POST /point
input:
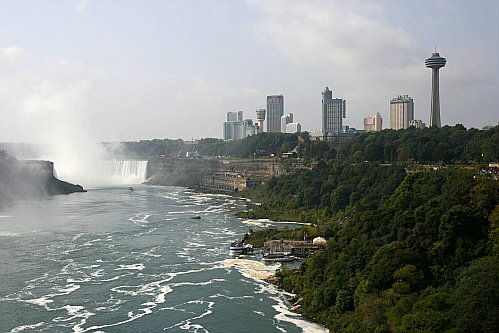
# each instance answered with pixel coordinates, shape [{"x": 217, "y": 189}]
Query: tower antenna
[{"x": 435, "y": 47}]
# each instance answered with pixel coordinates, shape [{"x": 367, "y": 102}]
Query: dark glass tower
[{"x": 435, "y": 62}]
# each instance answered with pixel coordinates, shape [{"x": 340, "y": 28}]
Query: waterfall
[
  {"x": 92, "y": 173},
  {"x": 123, "y": 172}
]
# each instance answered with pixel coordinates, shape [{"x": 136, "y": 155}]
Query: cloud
[
  {"x": 81, "y": 5},
  {"x": 367, "y": 59},
  {"x": 41, "y": 95},
  {"x": 45, "y": 100},
  {"x": 338, "y": 33},
  {"x": 12, "y": 51}
]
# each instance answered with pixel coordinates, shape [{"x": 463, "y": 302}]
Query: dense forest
[
  {"x": 429, "y": 145},
  {"x": 406, "y": 252}
]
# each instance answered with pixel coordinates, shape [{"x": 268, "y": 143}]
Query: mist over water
[
  {"x": 89, "y": 165},
  {"x": 50, "y": 110}
]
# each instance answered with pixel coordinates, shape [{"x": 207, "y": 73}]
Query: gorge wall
[{"x": 194, "y": 172}]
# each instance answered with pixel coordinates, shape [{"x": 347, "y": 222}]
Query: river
[{"x": 113, "y": 260}]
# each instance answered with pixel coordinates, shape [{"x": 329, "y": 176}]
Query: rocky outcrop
[
  {"x": 25, "y": 179},
  {"x": 221, "y": 174},
  {"x": 179, "y": 171}
]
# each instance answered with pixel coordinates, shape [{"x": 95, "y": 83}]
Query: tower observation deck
[
  {"x": 435, "y": 62},
  {"x": 260, "y": 116}
]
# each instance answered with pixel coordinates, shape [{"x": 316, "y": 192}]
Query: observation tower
[
  {"x": 435, "y": 62},
  {"x": 260, "y": 116}
]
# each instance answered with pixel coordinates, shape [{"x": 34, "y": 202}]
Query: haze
[{"x": 80, "y": 71}]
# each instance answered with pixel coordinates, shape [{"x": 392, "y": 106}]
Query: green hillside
[{"x": 406, "y": 251}]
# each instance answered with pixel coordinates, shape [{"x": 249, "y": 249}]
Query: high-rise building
[
  {"x": 333, "y": 112},
  {"x": 417, "y": 123},
  {"x": 238, "y": 129},
  {"x": 260, "y": 116},
  {"x": 373, "y": 123},
  {"x": 235, "y": 116},
  {"x": 401, "y": 111},
  {"x": 293, "y": 127},
  {"x": 250, "y": 128},
  {"x": 275, "y": 110},
  {"x": 286, "y": 119},
  {"x": 435, "y": 62}
]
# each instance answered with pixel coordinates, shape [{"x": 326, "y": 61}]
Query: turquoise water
[{"x": 111, "y": 260}]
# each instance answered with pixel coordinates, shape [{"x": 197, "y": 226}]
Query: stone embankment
[{"x": 226, "y": 175}]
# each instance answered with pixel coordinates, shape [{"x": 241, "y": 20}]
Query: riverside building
[
  {"x": 275, "y": 110},
  {"x": 333, "y": 112},
  {"x": 401, "y": 112}
]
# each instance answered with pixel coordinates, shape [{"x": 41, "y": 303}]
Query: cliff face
[
  {"x": 24, "y": 179},
  {"x": 194, "y": 172}
]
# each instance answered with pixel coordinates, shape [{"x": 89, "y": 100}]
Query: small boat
[
  {"x": 196, "y": 217},
  {"x": 237, "y": 248},
  {"x": 248, "y": 249},
  {"x": 130, "y": 189},
  {"x": 277, "y": 257}
]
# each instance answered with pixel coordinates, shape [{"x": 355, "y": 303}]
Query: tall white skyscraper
[
  {"x": 275, "y": 110},
  {"x": 333, "y": 112},
  {"x": 401, "y": 112}
]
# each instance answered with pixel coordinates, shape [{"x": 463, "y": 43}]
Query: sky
[{"x": 128, "y": 70}]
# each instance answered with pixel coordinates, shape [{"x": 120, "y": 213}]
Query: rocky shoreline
[
  {"x": 26, "y": 179},
  {"x": 294, "y": 299}
]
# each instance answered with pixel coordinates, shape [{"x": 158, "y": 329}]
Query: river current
[{"x": 113, "y": 260}]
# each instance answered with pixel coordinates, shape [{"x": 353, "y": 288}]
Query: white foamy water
[
  {"x": 122, "y": 172},
  {"x": 112, "y": 260}
]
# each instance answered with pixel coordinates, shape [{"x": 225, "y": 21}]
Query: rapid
[{"x": 114, "y": 260}]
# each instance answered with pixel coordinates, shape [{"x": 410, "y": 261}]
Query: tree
[{"x": 476, "y": 297}]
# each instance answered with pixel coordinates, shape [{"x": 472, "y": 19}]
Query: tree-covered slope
[{"x": 406, "y": 253}]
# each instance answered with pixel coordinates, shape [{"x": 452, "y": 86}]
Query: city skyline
[{"x": 110, "y": 71}]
